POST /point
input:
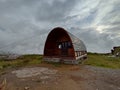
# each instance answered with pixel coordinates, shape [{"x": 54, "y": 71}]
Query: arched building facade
[{"x": 62, "y": 46}]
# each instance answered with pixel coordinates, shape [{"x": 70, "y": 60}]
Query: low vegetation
[
  {"x": 103, "y": 60},
  {"x": 21, "y": 61},
  {"x": 94, "y": 59}
]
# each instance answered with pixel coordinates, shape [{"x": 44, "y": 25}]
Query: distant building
[
  {"x": 116, "y": 51},
  {"x": 62, "y": 46}
]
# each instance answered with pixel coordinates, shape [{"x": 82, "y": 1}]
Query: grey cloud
[
  {"x": 55, "y": 12},
  {"x": 87, "y": 20},
  {"x": 95, "y": 41},
  {"x": 108, "y": 12},
  {"x": 25, "y": 24},
  {"x": 28, "y": 44}
]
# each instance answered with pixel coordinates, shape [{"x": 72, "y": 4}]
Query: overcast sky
[{"x": 25, "y": 24}]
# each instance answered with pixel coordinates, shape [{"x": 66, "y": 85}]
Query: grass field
[
  {"x": 100, "y": 60},
  {"x": 21, "y": 61}
]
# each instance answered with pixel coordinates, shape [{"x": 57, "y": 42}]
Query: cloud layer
[{"x": 25, "y": 24}]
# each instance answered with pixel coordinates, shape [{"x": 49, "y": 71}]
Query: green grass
[
  {"x": 21, "y": 61},
  {"x": 94, "y": 59},
  {"x": 102, "y": 60}
]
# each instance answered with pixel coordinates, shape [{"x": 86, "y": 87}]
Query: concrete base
[
  {"x": 66, "y": 61},
  {"x": 52, "y": 59}
]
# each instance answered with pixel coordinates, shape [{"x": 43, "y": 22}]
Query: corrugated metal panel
[
  {"x": 77, "y": 43},
  {"x": 72, "y": 50}
]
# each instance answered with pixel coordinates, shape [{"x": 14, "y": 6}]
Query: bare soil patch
[{"x": 66, "y": 77}]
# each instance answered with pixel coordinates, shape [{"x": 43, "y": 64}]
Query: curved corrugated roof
[{"x": 77, "y": 43}]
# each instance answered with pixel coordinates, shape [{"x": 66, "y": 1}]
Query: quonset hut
[{"x": 62, "y": 46}]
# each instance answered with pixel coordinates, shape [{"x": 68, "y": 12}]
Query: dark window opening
[{"x": 65, "y": 44}]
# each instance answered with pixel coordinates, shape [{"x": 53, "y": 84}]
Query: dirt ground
[{"x": 66, "y": 77}]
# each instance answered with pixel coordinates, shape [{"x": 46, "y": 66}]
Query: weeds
[
  {"x": 100, "y": 60},
  {"x": 21, "y": 61},
  {"x": 103, "y": 61}
]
